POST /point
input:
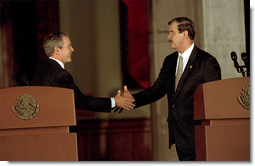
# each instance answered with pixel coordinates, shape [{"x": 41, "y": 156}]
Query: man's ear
[
  {"x": 56, "y": 50},
  {"x": 186, "y": 34}
]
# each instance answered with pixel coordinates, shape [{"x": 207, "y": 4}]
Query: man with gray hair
[{"x": 58, "y": 48}]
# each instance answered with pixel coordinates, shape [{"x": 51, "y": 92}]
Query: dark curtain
[
  {"x": 134, "y": 43},
  {"x": 29, "y": 22},
  {"x": 6, "y": 48}
]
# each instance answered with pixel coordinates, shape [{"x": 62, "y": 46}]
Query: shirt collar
[
  {"x": 187, "y": 53},
  {"x": 59, "y": 62}
]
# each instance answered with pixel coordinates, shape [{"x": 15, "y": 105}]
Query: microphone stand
[{"x": 240, "y": 69}]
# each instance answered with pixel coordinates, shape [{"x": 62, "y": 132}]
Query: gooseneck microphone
[
  {"x": 234, "y": 58},
  {"x": 246, "y": 60},
  {"x": 15, "y": 80}
]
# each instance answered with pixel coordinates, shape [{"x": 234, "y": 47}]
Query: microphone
[
  {"x": 15, "y": 80},
  {"x": 245, "y": 59},
  {"x": 25, "y": 79},
  {"x": 246, "y": 62},
  {"x": 234, "y": 58}
]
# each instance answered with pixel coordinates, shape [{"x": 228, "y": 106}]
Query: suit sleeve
[
  {"x": 156, "y": 91},
  {"x": 65, "y": 80}
]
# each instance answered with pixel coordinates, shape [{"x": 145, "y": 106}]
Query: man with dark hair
[
  {"x": 182, "y": 72},
  {"x": 58, "y": 48}
]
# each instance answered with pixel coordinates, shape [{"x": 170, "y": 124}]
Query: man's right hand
[
  {"x": 124, "y": 102},
  {"x": 127, "y": 95}
]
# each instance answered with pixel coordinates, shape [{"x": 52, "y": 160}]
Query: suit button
[{"x": 173, "y": 106}]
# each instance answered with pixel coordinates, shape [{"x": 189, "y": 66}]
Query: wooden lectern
[
  {"x": 224, "y": 109},
  {"x": 34, "y": 124}
]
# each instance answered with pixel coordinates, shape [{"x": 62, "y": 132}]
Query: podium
[
  {"x": 34, "y": 124},
  {"x": 223, "y": 107}
]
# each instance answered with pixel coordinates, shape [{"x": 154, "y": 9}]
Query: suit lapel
[
  {"x": 172, "y": 70},
  {"x": 188, "y": 69}
]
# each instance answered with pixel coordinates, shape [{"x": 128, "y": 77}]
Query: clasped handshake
[{"x": 125, "y": 101}]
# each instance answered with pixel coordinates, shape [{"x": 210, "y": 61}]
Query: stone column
[{"x": 224, "y": 32}]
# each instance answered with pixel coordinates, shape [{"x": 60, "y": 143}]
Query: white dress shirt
[{"x": 185, "y": 57}]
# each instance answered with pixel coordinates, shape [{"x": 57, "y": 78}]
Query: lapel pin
[{"x": 190, "y": 67}]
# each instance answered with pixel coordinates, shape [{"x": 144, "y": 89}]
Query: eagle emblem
[
  {"x": 26, "y": 107},
  {"x": 244, "y": 99}
]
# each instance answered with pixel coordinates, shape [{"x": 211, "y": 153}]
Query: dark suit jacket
[
  {"x": 201, "y": 68},
  {"x": 52, "y": 74}
]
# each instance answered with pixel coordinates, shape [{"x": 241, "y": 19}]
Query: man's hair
[
  {"x": 53, "y": 40},
  {"x": 185, "y": 23}
]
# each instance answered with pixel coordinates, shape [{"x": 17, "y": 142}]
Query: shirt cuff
[{"x": 113, "y": 102}]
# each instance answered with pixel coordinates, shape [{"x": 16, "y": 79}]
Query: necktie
[{"x": 179, "y": 72}]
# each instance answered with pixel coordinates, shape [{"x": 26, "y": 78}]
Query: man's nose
[{"x": 168, "y": 36}]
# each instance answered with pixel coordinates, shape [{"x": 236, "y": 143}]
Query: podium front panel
[
  {"x": 56, "y": 107},
  {"x": 219, "y": 99},
  {"x": 44, "y": 147},
  {"x": 34, "y": 124},
  {"x": 223, "y": 107},
  {"x": 223, "y": 143}
]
